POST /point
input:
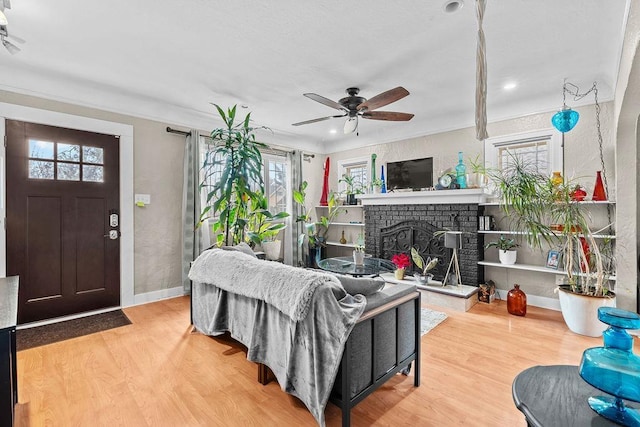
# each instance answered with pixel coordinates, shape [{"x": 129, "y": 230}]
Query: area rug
[
  {"x": 48, "y": 334},
  {"x": 429, "y": 319}
]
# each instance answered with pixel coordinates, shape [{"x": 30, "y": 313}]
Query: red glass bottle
[
  {"x": 516, "y": 301},
  {"x": 598, "y": 191}
]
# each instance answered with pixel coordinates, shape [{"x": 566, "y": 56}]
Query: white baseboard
[
  {"x": 148, "y": 297},
  {"x": 536, "y": 301}
]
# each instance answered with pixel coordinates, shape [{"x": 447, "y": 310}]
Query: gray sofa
[{"x": 342, "y": 350}]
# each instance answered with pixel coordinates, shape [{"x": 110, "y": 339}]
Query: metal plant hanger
[
  {"x": 4, "y": 31},
  {"x": 566, "y": 119}
]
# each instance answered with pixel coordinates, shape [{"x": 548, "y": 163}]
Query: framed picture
[{"x": 553, "y": 259}]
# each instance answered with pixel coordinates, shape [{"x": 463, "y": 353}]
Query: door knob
[{"x": 113, "y": 234}]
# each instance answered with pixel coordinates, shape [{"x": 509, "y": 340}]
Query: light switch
[{"x": 145, "y": 199}]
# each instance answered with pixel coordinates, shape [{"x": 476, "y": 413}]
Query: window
[
  {"x": 65, "y": 162},
  {"x": 358, "y": 169},
  {"x": 275, "y": 176},
  {"x": 540, "y": 149}
]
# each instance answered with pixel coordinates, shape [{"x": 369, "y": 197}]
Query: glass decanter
[{"x": 614, "y": 368}]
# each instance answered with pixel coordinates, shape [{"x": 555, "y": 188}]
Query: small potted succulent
[
  {"x": 425, "y": 265},
  {"x": 401, "y": 261},
  {"x": 506, "y": 250}
]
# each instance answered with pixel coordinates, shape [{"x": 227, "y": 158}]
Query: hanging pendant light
[{"x": 566, "y": 119}]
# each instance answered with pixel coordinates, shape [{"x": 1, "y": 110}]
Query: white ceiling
[{"x": 168, "y": 60}]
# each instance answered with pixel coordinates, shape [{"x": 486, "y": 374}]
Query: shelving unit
[
  {"x": 530, "y": 267},
  {"x": 535, "y": 267},
  {"x": 349, "y": 218}
]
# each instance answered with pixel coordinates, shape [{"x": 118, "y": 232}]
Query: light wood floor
[{"x": 156, "y": 373}]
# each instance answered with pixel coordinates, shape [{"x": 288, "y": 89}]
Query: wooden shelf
[
  {"x": 521, "y": 233},
  {"x": 586, "y": 202},
  {"x": 341, "y": 207},
  {"x": 529, "y": 267},
  {"x": 344, "y": 245}
]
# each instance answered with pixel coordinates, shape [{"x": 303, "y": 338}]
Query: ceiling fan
[
  {"x": 4, "y": 33},
  {"x": 354, "y": 106}
]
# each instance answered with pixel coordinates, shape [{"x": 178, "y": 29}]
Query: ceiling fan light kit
[
  {"x": 354, "y": 106},
  {"x": 3, "y": 18}
]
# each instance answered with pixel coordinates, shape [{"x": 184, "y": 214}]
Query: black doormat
[{"x": 48, "y": 334}]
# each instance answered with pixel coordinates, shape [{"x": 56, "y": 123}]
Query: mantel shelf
[
  {"x": 354, "y": 224},
  {"x": 469, "y": 195},
  {"x": 522, "y": 233},
  {"x": 529, "y": 267}
]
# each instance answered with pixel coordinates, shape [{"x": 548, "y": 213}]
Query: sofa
[{"x": 324, "y": 337}]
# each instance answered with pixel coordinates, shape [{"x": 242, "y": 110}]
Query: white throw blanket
[
  {"x": 287, "y": 288},
  {"x": 295, "y": 321}
]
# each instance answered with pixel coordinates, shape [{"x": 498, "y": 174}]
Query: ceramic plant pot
[
  {"x": 507, "y": 257},
  {"x": 580, "y": 312}
]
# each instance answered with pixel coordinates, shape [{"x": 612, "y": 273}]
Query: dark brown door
[{"x": 62, "y": 219}]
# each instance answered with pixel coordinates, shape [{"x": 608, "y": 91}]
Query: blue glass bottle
[
  {"x": 614, "y": 368},
  {"x": 384, "y": 184},
  {"x": 461, "y": 172}
]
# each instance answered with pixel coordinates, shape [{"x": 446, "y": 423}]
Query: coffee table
[{"x": 345, "y": 265}]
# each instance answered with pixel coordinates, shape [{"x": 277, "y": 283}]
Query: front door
[{"x": 62, "y": 219}]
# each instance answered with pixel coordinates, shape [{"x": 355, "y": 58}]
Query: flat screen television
[{"x": 414, "y": 174}]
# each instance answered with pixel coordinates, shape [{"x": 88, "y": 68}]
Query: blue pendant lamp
[{"x": 566, "y": 119}]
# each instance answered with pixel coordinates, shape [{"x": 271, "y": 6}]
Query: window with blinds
[
  {"x": 541, "y": 151},
  {"x": 532, "y": 154}
]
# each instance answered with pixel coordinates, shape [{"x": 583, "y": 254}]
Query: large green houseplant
[
  {"x": 313, "y": 239},
  {"x": 545, "y": 211},
  {"x": 263, "y": 227},
  {"x": 232, "y": 176}
]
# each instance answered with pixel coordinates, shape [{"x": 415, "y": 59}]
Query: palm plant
[
  {"x": 532, "y": 202},
  {"x": 234, "y": 165}
]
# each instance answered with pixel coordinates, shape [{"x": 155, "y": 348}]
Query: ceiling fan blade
[
  {"x": 387, "y": 115},
  {"x": 16, "y": 39},
  {"x": 326, "y": 101},
  {"x": 384, "y": 98},
  {"x": 321, "y": 119},
  {"x": 12, "y": 48}
]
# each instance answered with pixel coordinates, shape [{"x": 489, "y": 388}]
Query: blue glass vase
[
  {"x": 614, "y": 368},
  {"x": 565, "y": 120}
]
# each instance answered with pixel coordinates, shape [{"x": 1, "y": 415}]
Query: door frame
[{"x": 125, "y": 131}]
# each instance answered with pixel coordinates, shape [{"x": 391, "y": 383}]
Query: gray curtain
[
  {"x": 295, "y": 160},
  {"x": 192, "y": 238}
]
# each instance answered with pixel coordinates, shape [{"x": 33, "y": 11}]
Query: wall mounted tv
[{"x": 413, "y": 174}]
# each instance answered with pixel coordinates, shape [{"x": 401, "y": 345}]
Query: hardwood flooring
[{"x": 155, "y": 372}]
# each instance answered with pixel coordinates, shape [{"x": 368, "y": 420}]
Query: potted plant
[
  {"x": 376, "y": 184},
  {"x": 506, "y": 252},
  {"x": 353, "y": 187},
  {"x": 533, "y": 202},
  {"x": 401, "y": 262},
  {"x": 313, "y": 237},
  {"x": 233, "y": 176},
  {"x": 424, "y": 265},
  {"x": 263, "y": 227}
]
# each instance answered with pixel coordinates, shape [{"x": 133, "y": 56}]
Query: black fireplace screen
[{"x": 402, "y": 236}]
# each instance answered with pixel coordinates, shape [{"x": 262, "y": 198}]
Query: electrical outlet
[{"x": 560, "y": 279}]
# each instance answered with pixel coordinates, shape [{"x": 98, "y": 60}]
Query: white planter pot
[
  {"x": 507, "y": 257},
  {"x": 272, "y": 249},
  {"x": 580, "y": 312}
]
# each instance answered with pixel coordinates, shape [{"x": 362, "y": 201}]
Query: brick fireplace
[{"x": 396, "y": 222}]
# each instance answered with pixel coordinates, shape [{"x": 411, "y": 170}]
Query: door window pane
[
  {"x": 93, "y": 155},
  {"x": 92, "y": 173},
  {"x": 69, "y": 152},
  {"x": 68, "y": 172},
  {"x": 40, "y": 149},
  {"x": 40, "y": 170}
]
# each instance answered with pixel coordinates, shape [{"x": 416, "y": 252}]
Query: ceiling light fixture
[
  {"x": 509, "y": 86},
  {"x": 333, "y": 131},
  {"x": 566, "y": 119},
  {"x": 351, "y": 125},
  {"x": 452, "y": 6}
]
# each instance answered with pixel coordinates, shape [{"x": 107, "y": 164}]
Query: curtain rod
[{"x": 179, "y": 132}]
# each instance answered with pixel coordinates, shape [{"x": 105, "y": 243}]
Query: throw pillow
[{"x": 360, "y": 285}]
